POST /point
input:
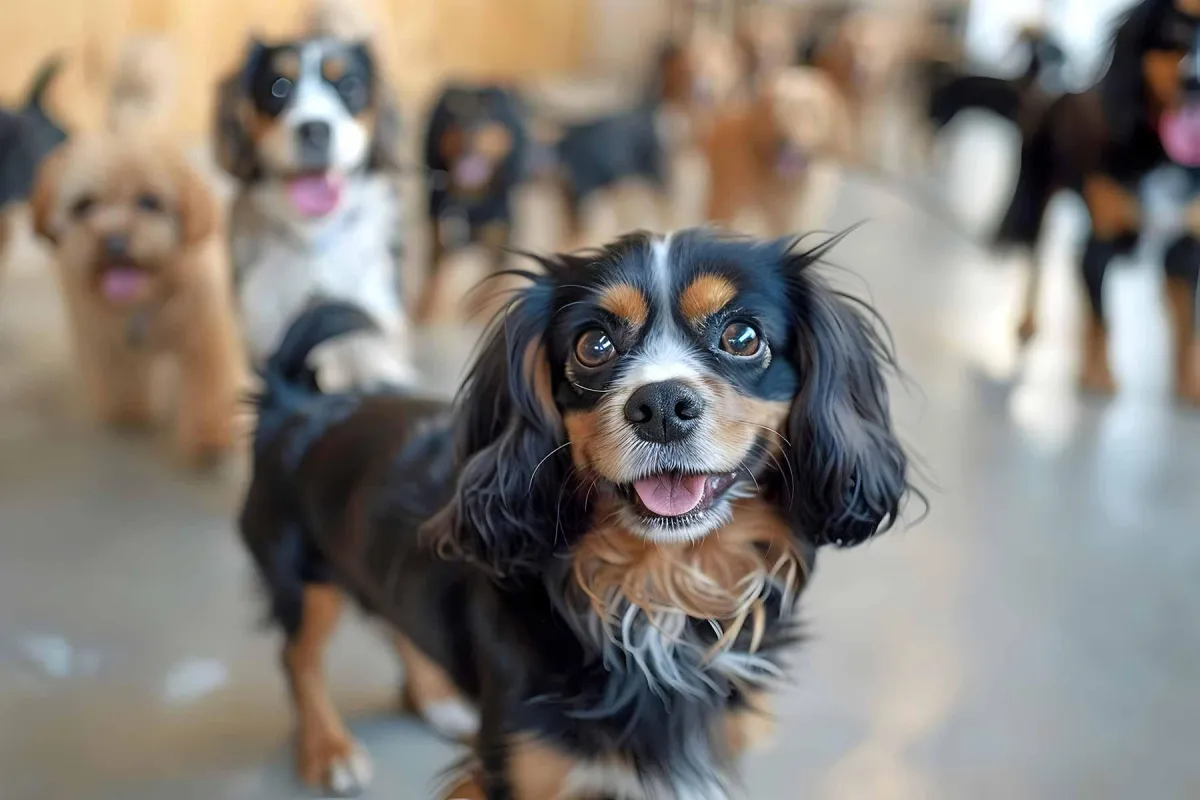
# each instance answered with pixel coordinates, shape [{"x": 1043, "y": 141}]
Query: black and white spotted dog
[{"x": 308, "y": 129}]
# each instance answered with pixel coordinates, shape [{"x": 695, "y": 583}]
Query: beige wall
[{"x": 420, "y": 40}]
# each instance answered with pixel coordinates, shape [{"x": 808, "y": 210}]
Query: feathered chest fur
[
  {"x": 675, "y": 639},
  {"x": 282, "y": 264}
]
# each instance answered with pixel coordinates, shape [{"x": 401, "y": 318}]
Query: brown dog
[
  {"x": 761, "y": 150},
  {"x": 133, "y": 230}
]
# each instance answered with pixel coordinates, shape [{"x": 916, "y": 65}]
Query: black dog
[
  {"x": 599, "y": 154},
  {"x": 475, "y": 147},
  {"x": 1143, "y": 113},
  {"x": 600, "y": 545},
  {"x": 27, "y": 134}
]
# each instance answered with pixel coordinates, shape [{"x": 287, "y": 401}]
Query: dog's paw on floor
[{"x": 341, "y": 768}]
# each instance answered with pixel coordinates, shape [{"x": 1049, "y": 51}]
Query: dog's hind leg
[
  {"x": 430, "y": 693},
  {"x": 328, "y": 758},
  {"x": 1182, "y": 265},
  {"x": 1031, "y": 300},
  {"x": 1115, "y": 216}
]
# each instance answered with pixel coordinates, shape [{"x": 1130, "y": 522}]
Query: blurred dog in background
[
  {"x": 133, "y": 228},
  {"x": 27, "y": 134},
  {"x": 308, "y": 128},
  {"x": 142, "y": 95},
  {"x": 762, "y": 149},
  {"x": 1143, "y": 113},
  {"x": 878, "y": 56},
  {"x": 602, "y": 154},
  {"x": 475, "y": 147}
]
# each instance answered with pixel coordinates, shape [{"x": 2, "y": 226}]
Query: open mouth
[
  {"x": 314, "y": 194},
  {"x": 123, "y": 283},
  {"x": 1179, "y": 132},
  {"x": 472, "y": 172},
  {"x": 677, "y": 496},
  {"x": 791, "y": 160}
]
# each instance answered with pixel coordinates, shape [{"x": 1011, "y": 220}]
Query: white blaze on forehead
[
  {"x": 665, "y": 357},
  {"x": 660, "y": 269},
  {"x": 315, "y": 98}
]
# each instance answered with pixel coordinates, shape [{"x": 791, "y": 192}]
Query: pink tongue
[
  {"x": 1179, "y": 132},
  {"x": 791, "y": 162},
  {"x": 122, "y": 284},
  {"x": 472, "y": 171},
  {"x": 315, "y": 195},
  {"x": 671, "y": 495}
]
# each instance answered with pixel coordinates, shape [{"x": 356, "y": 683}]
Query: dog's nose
[
  {"x": 116, "y": 245},
  {"x": 664, "y": 412},
  {"x": 313, "y": 137}
]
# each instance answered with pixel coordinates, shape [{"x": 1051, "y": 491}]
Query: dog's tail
[
  {"x": 962, "y": 92},
  {"x": 42, "y": 80},
  {"x": 288, "y": 379},
  {"x": 1008, "y": 98}
]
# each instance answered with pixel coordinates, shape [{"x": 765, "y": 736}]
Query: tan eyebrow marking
[
  {"x": 706, "y": 295},
  {"x": 287, "y": 64},
  {"x": 333, "y": 68},
  {"x": 626, "y": 302}
]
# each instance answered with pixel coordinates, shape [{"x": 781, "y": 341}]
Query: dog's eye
[
  {"x": 281, "y": 88},
  {"x": 81, "y": 207},
  {"x": 594, "y": 349},
  {"x": 354, "y": 92},
  {"x": 148, "y": 202},
  {"x": 739, "y": 339}
]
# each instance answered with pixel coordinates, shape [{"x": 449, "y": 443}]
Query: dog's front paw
[
  {"x": 1188, "y": 391},
  {"x": 1026, "y": 330},
  {"x": 206, "y": 447},
  {"x": 1097, "y": 378},
  {"x": 340, "y": 767}
]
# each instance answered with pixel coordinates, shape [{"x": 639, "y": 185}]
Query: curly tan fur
[{"x": 183, "y": 312}]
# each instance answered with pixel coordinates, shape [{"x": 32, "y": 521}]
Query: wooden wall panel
[{"x": 420, "y": 41}]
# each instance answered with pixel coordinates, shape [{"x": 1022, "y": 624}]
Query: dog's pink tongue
[
  {"x": 123, "y": 284},
  {"x": 791, "y": 162},
  {"x": 314, "y": 195},
  {"x": 671, "y": 495},
  {"x": 472, "y": 171},
  {"x": 1179, "y": 132}
]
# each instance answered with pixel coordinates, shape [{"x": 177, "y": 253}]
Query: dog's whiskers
[
  {"x": 543, "y": 461},
  {"x": 767, "y": 428}
]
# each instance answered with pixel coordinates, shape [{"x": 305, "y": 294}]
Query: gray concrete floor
[{"x": 1035, "y": 636}]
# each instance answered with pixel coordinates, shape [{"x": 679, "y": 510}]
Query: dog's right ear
[
  {"x": 44, "y": 200},
  {"x": 236, "y": 153},
  {"x": 509, "y": 510}
]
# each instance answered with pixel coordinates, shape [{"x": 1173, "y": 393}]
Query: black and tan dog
[
  {"x": 591, "y": 560},
  {"x": 1143, "y": 113},
  {"x": 475, "y": 148}
]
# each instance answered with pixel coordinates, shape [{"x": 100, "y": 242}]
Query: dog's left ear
[
  {"x": 43, "y": 201},
  {"x": 507, "y": 513},
  {"x": 1122, "y": 87},
  {"x": 851, "y": 471},
  {"x": 384, "y": 155},
  {"x": 196, "y": 205},
  {"x": 235, "y": 149}
]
